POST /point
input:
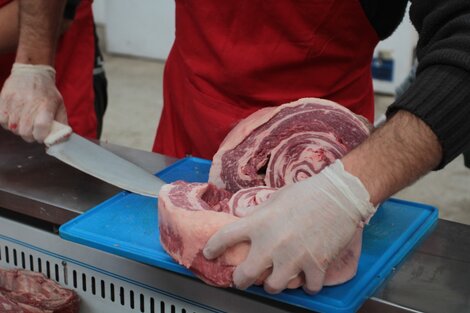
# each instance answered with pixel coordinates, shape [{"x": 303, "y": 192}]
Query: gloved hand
[
  {"x": 30, "y": 101},
  {"x": 301, "y": 228}
]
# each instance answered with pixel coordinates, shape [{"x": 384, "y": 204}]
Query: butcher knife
[{"x": 94, "y": 160}]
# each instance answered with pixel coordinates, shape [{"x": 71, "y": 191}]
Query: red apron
[
  {"x": 74, "y": 65},
  {"x": 231, "y": 58}
]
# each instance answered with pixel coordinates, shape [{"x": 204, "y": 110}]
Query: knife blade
[{"x": 94, "y": 160}]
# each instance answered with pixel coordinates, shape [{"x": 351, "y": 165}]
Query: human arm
[
  {"x": 39, "y": 31},
  {"x": 395, "y": 156},
  {"x": 9, "y": 26},
  {"x": 29, "y": 100},
  {"x": 440, "y": 96},
  {"x": 437, "y": 126}
]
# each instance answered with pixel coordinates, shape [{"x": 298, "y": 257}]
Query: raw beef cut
[
  {"x": 33, "y": 292},
  {"x": 265, "y": 151}
]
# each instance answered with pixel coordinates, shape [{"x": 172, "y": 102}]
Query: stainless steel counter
[
  {"x": 38, "y": 185},
  {"x": 434, "y": 278}
]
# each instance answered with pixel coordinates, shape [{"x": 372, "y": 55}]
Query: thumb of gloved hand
[{"x": 30, "y": 101}]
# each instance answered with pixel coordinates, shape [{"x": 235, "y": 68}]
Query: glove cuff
[
  {"x": 30, "y": 68},
  {"x": 352, "y": 188}
]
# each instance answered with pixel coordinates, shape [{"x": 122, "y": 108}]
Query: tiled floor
[{"x": 135, "y": 102}]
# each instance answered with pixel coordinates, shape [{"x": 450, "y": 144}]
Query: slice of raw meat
[
  {"x": 279, "y": 145},
  {"x": 30, "y": 289}
]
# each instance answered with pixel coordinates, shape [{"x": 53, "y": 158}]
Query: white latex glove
[
  {"x": 300, "y": 229},
  {"x": 30, "y": 101}
]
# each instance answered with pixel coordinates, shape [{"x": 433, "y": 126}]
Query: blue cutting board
[{"x": 127, "y": 225}]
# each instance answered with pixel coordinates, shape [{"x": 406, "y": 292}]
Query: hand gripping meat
[{"x": 300, "y": 230}]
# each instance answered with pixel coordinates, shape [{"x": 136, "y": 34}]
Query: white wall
[
  {"x": 143, "y": 28},
  {"x": 99, "y": 11},
  {"x": 401, "y": 47}
]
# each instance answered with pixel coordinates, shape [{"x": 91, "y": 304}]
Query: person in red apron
[
  {"x": 80, "y": 76},
  {"x": 229, "y": 60}
]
